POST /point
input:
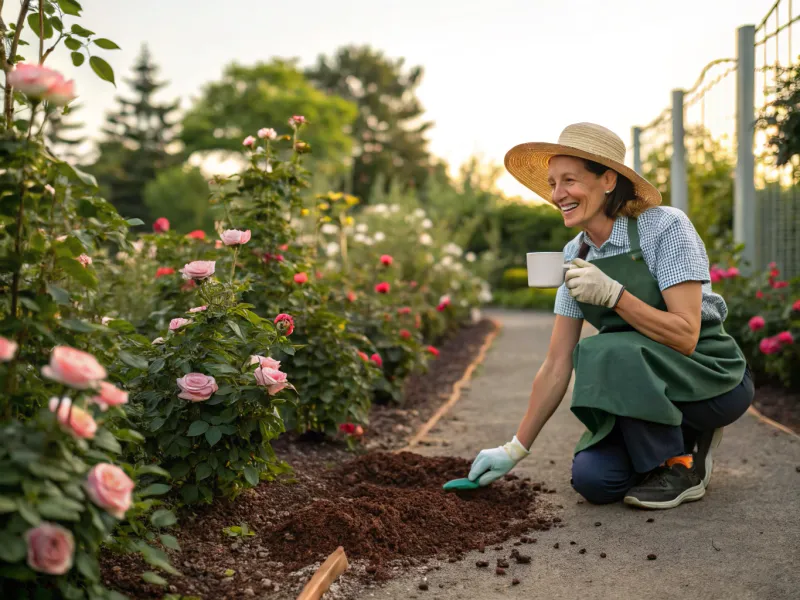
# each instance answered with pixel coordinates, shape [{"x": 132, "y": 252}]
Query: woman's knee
[{"x": 594, "y": 481}]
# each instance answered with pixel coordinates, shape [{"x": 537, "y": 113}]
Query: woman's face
[{"x": 578, "y": 193}]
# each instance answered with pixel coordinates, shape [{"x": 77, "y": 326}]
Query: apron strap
[{"x": 633, "y": 234}]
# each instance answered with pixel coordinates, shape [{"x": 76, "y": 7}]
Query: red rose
[
  {"x": 386, "y": 260},
  {"x": 288, "y": 323},
  {"x": 376, "y": 358},
  {"x": 162, "y": 271},
  {"x": 382, "y": 288},
  {"x": 161, "y": 225},
  {"x": 433, "y": 350},
  {"x": 197, "y": 234}
]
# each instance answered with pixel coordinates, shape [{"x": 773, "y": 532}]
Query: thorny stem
[
  {"x": 7, "y": 64},
  {"x": 233, "y": 266}
]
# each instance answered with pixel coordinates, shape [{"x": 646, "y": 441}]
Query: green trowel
[{"x": 460, "y": 484}]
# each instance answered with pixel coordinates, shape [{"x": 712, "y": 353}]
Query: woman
[{"x": 660, "y": 380}]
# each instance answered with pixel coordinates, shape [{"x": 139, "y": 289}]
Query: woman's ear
[{"x": 610, "y": 180}]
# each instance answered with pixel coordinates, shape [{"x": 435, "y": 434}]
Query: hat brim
[{"x": 528, "y": 164}]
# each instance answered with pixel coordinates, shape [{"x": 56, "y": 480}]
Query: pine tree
[
  {"x": 64, "y": 135},
  {"x": 137, "y": 140}
]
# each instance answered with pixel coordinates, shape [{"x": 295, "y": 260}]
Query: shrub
[
  {"x": 531, "y": 298},
  {"x": 514, "y": 279}
]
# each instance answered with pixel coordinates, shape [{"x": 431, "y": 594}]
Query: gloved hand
[
  {"x": 494, "y": 463},
  {"x": 588, "y": 284}
]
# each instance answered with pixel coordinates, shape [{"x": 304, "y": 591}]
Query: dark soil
[
  {"x": 387, "y": 510},
  {"x": 779, "y": 404}
]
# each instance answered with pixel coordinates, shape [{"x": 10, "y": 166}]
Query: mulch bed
[
  {"x": 387, "y": 510},
  {"x": 779, "y": 404}
]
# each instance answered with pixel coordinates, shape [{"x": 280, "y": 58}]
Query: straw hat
[{"x": 528, "y": 162}]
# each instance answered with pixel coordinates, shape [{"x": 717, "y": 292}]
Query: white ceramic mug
[{"x": 546, "y": 269}]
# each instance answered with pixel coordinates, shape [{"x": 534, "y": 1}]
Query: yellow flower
[
  {"x": 341, "y": 326},
  {"x": 351, "y": 200},
  {"x": 325, "y": 219},
  {"x": 335, "y": 196},
  {"x": 303, "y": 212},
  {"x": 349, "y": 221},
  {"x": 323, "y": 206}
]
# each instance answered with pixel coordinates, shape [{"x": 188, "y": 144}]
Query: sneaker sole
[
  {"x": 709, "y": 462},
  {"x": 690, "y": 495}
]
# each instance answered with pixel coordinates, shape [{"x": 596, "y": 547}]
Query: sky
[{"x": 497, "y": 72}]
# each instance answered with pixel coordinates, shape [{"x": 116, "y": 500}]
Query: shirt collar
[{"x": 618, "y": 237}]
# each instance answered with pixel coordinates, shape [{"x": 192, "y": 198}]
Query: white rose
[
  {"x": 427, "y": 224},
  {"x": 332, "y": 249},
  {"x": 329, "y": 229},
  {"x": 379, "y": 236},
  {"x": 361, "y": 228},
  {"x": 425, "y": 239},
  {"x": 470, "y": 256},
  {"x": 419, "y": 213}
]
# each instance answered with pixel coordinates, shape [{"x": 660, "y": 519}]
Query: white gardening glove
[
  {"x": 588, "y": 284},
  {"x": 494, "y": 463}
]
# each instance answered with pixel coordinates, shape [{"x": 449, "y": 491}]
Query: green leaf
[
  {"x": 7, "y": 504},
  {"x": 58, "y": 294},
  {"x": 197, "y": 428},
  {"x": 156, "y": 366},
  {"x": 202, "y": 471},
  {"x": 106, "y": 440},
  {"x": 12, "y": 547},
  {"x": 157, "y": 423},
  {"x": 77, "y": 325},
  {"x": 179, "y": 470},
  {"x": 56, "y": 511},
  {"x": 153, "y": 578},
  {"x": 134, "y": 222},
  {"x": 152, "y": 470},
  {"x": 81, "y": 31},
  {"x": 72, "y": 43},
  {"x": 235, "y": 328},
  {"x": 129, "y": 435},
  {"x": 169, "y": 541},
  {"x": 155, "y": 489},
  {"x": 88, "y": 566},
  {"x": 163, "y": 518},
  {"x": 105, "y": 44},
  {"x": 48, "y": 471},
  {"x": 85, "y": 178},
  {"x": 251, "y": 475},
  {"x": 190, "y": 493},
  {"x": 77, "y": 271},
  {"x": 213, "y": 435},
  {"x": 70, "y": 7},
  {"x": 77, "y": 58},
  {"x": 135, "y": 362},
  {"x": 102, "y": 68},
  {"x": 30, "y": 304},
  {"x": 27, "y": 512},
  {"x": 57, "y": 24},
  {"x": 33, "y": 23}
]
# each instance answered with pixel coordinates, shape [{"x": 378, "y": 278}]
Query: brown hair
[{"x": 622, "y": 201}]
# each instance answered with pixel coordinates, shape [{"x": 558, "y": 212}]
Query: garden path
[{"x": 742, "y": 540}]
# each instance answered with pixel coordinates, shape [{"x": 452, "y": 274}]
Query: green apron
[{"x": 621, "y": 372}]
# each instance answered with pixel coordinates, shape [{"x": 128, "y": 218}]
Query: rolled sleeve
[
  {"x": 566, "y": 305},
  {"x": 681, "y": 255}
]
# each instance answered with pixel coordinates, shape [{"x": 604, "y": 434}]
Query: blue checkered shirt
[{"x": 671, "y": 248}]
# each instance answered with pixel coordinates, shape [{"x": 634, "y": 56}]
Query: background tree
[
  {"x": 710, "y": 169},
  {"x": 248, "y": 98},
  {"x": 389, "y": 133},
  {"x": 781, "y": 118},
  {"x": 137, "y": 144},
  {"x": 63, "y": 133},
  {"x": 180, "y": 194}
]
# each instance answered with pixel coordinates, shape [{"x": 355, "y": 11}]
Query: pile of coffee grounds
[
  {"x": 392, "y": 506},
  {"x": 386, "y": 510}
]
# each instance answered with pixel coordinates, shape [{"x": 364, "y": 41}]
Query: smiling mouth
[{"x": 568, "y": 207}]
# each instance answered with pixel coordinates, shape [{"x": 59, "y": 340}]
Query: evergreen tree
[
  {"x": 389, "y": 133},
  {"x": 63, "y": 133},
  {"x": 137, "y": 137}
]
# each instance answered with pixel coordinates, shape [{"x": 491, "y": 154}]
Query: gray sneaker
[{"x": 707, "y": 442}]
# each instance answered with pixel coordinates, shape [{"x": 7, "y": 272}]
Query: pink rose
[
  {"x": 351, "y": 296},
  {"x": 296, "y": 120},
  {"x": 8, "y": 348},
  {"x": 218, "y": 244},
  {"x": 382, "y": 288},
  {"x": 716, "y": 274},
  {"x": 235, "y": 237},
  {"x": 249, "y": 141},
  {"x": 61, "y": 92},
  {"x": 110, "y": 396},
  {"x": 272, "y": 379},
  {"x": 386, "y": 260},
  {"x": 178, "y": 323},
  {"x": 732, "y": 272},
  {"x": 444, "y": 302},
  {"x": 158, "y": 340},
  {"x": 199, "y": 269},
  {"x": 285, "y": 322},
  {"x": 405, "y": 310},
  {"x": 796, "y": 306},
  {"x": 759, "y": 295},
  {"x": 300, "y": 278},
  {"x": 161, "y": 225},
  {"x": 50, "y": 548},
  {"x": 197, "y": 387},
  {"x": 268, "y": 133},
  {"x": 73, "y": 418},
  {"x": 74, "y": 368},
  {"x": 756, "y": 323},
  {"x": 41, "y": 83},
  {"x": 110, "y": 488},
  {"x": 433, "y": 350},
  {"x": 405, "y": 334},
  {"x": 85, "y": 260},
  {"x": 780, "y": 284},
  {"x": 363, "y": 356},
  {"x": 198, "y": 309},
  {"x": 376, "y": 358},
  {"x": 265, "y": 361},
  {"x": 769, "y": 346},
  {"x": 785, "y": 337}
]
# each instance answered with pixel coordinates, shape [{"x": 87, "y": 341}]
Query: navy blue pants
[{"x": 604, "y": 473}]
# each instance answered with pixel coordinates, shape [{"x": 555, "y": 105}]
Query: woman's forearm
[
  {"x": 674, "y": 329},
  {"x": 549, "y": 387}
]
